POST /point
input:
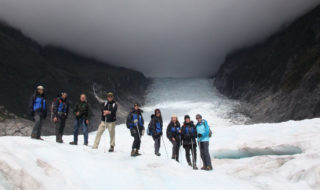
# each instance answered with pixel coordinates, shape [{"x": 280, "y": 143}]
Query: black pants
[
  {"x": 205, "y": 156},
  {"x": 136, "y": 142},
  {"x": 175, "y": 149},
  {"x": 60, "y": 124},
  {"x": 188, "y": 149},
  {"x": 36, "y": 132},
  {"x": 157, "y": 143}
]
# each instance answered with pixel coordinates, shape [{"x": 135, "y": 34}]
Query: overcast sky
[{"x": 162, "y": 38}]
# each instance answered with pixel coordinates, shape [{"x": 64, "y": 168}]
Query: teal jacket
[{"x": 204, "y": 130}]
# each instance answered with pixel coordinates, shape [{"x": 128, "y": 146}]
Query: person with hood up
[
  {"x": 188, "y": 136},
  {"x": 135, "y": 123},
  {"x": 174, "y": 136},
  {"x": 155, "y": 128}
]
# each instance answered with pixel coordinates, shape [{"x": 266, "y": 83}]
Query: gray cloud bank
[{"x": 161, "y": 38}]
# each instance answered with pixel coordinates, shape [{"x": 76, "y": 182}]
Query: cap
[
  {"x": 110, "y": 94},
  {"x": 40, "y": 87}
]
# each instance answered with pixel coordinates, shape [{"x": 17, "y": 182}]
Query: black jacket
[
  {"x": 130, "y": 122},
  {"x": 83, "y": 108},
  {"x": 153, "y": 126},
  {"x": 56, "y": 105},
  {"x": 173, "y": 130},
  {"x": 189, "y": 134},
  {"x": 112, "y": 107},
  {"x": 42, "y": 112}
]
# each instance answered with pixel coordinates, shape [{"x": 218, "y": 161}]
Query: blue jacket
[
  {"x": 38, "y": 105},
  {"x": 155, "y": 126},
  {"x": 204, "y": 130}
]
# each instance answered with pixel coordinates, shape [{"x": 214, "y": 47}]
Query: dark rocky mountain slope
[
  {"x": 24, "y": 64},
  {"x": 279, "y": 79}
]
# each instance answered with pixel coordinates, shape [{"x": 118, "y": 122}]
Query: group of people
[{"x": 188, "y": 135}]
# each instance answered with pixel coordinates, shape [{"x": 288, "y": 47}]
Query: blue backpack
[
  {"x": 191, "y": 132},
  {"x": 62, "y": 107}
]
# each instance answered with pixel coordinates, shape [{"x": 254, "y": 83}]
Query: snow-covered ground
[{"x": 262, "y": 156}]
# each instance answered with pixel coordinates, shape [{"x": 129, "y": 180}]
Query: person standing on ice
[
  {"x": 81, "y": 112},
  {"x": 135, "y": 123},
  {"x": 155, "y": 129},
  {"x": 174, "y": 136},
  {"x": 203, "y": 132},
  {"x": 188, "y": 136},
  {"x": 60, "y": 114},
  {"x": 108, "y": 121},
  {"x": 38, "y": 110}
]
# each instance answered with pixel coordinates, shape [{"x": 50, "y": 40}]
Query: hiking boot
[
  {"x": 73, "y": 143},
  {"x": 204, "y": 168},
  {"x": 133, "y": 153},
  {"x": 85, "y": 144},
  {"x": 41, "y": 139},
  {"x": 209, "y": 168},
  {"x": 137, "y": 153},
  {"x": 158, "y": 154},
  {"x": 60, "y": 141},
  {"x": 173, "y": 157},
  {"x": 111, "y": 149},
  {"x": 94, "y": 147},
  {"x": 189, "y": 163},
  {"x": 33, "y": 137},
  {"x": 195, "y": 167}
]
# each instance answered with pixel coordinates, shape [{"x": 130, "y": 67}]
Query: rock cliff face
[
  {"x": 25, "y": 64},
  {"x": 278, "y": 79}
]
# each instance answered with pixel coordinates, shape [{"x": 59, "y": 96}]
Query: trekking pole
[
  {"x": 165, "y": 148},
  {"x": 193, "y": 162},
  {"x": 139, "y": 137},
  {"x": 200, "y": 154},
  {"x": 138, "y": 132}
]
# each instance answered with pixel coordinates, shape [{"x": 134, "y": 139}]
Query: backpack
[{"x": 210, "y": 132}]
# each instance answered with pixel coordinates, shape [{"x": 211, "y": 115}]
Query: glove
[
  {"x": 199, "y": 135},
  {"x": 160, "y": 134}
]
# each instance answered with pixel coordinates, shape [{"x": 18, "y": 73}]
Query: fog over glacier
[{"x": 167, "y": 38}]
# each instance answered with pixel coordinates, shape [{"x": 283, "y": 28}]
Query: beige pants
[{"x": 102, "y": 127}]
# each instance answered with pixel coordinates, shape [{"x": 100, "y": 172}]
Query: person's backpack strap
[{"x": 149, "y": 130}]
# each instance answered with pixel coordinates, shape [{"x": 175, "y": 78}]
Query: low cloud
[{"x": 161, "y": 38}]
